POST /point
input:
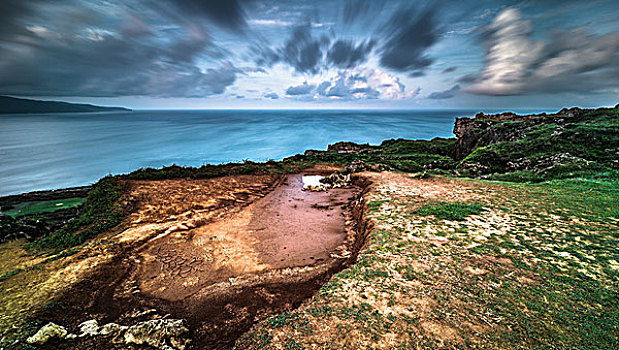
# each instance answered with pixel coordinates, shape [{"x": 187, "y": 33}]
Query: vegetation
[
  {"x": 449, "y": 211},
  {"x": 101, "y": 212},
  {"x": 538, "y": 270},
  {"x": 31, "y": 208},
  {"x": 579, "y": 143}
]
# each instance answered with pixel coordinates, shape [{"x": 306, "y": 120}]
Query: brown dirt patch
[{"x": 220, "y": 253}]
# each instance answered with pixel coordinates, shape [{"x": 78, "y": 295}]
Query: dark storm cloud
[
  {"x": 229, "y": 14},
  {"x": 345, "y": 54},
  {"x": 309, "y": 54},
  {"x": 442, "y": 95},
  {"x": 408, "y": 35},
  {"x": 301, "y": 51},
  {"x": 517, "y": 64},
  {"x": 10, "y": 12},
  {"x": 82, "y": 54}
]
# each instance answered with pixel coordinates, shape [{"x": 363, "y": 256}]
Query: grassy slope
[
  {"x": 589, "y": 143},
  {"x": 537, "y": 269}
]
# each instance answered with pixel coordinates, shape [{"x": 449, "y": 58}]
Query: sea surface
[{"x": 49, "y": 151}]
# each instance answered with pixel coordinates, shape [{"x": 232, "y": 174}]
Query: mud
[{"x": 222, "y": 254}]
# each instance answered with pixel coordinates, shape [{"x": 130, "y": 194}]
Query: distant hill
[{"x": 12, "y": 105}]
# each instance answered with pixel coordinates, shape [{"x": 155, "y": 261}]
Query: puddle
[{"x": 312, "y": 181}]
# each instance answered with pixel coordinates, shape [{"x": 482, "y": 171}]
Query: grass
[
  {"x": 37, "y": 207},
  {"x": 539, "y": 269},
  {"x": 102, "y": 211},
  {"x": 457, "y": 211}
]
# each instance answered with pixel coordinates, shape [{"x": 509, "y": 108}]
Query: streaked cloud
[{"x": 517, "y": 64}]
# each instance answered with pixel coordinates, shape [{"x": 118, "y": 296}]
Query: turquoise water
[{"x": 49, "y": 151}]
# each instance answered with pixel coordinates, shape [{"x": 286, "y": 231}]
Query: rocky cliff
[{"x": 538, "y": 146}]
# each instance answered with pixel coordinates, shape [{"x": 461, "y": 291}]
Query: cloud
[
  {"x": 272, "y": 96},
  {"x": 227, "y": 14},
  {"x": 301, "y": 51},
  {"x": 308, "y": 54},
  {"x": 356, "y": 84},
  {"x": 449, "y": 70},
  {"x": 409, "y": 34},
  {"x": 442, "y": 95},
  {"x": 517, "y": 64},
  {"x": 83, "y": 53},
  {"x": 345, "y": 54},
  {"x": 302, "y": 89}
]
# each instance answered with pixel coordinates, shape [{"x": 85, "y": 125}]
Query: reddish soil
[{"x": 216, "y": 254}]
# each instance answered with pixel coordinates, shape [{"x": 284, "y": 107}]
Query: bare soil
[{"x": 221, "y": 253}]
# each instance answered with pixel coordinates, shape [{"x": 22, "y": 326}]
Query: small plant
[{"x": 456, "y": 211}]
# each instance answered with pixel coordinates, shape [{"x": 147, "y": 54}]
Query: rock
[
  {"x": 344, "y": 147},
  {"x": 336, "y": 180},
  {"x": 112, "y": 328},
  {"x": 89, "y": 328},
  {"x": 355, "y": 166},
  {"x": 47, "y": 332},
  {"x": 162, "y": 334}
]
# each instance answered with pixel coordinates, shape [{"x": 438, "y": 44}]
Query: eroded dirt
[{"x": 221, "y": 253}]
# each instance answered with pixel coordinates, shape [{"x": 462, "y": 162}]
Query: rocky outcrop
[
  {"x": 344, "y": 147},
  {"x": 478, "y": 131}
]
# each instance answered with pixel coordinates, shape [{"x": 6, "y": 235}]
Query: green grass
[
  {"x": 102, "y": 211},
  {"x": 456, "y": 211},
  {"x": 37, "y": 207}
]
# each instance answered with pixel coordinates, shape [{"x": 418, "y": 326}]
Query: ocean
[{"x": 49, "y": 151}]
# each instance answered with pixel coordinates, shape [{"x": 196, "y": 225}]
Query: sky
[{"x": 328, "y": 54}]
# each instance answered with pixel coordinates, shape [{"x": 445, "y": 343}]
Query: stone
[
  {"x": 47, "y": 332},
  {"x": 111, "y": 328},
  {"x": 89, "y": 328},
  {"x": 162, "y": 334}
]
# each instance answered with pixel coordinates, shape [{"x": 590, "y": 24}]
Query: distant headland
[{"x": 13, "y": 105}]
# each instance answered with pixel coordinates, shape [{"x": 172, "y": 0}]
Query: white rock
[
  {"x": 47, "y": 332},
  {"x": 89, "y": 328},
  {"x": 111, "y": 328}
]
